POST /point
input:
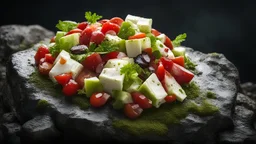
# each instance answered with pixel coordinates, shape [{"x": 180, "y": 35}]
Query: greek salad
[{"x": 124, "y": 61}]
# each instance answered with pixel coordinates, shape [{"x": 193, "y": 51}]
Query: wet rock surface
[
  {"x": 216, "y": 73},
  {"x": 40, "y": 128},
  {"x": 14, "y": 38}
]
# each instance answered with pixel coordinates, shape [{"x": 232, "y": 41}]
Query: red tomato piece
[
  {"x": 117, "y": 20},
  {"x": 167, "y": 63},
  {"x": 110, "y": 26},
  {"x": 45, "y": 68},
  {"x": 49, "y": 58},
  {"x": 86, "y": 36},
  {"x": 97, "y": 37},
  {"x": 113, "y": 55},
  {"x": 137, "y": 36},
  {"x": 168, "y": 43},
  {"x": 92, "y": 61},
  {"x": 99, "y": 99},
  {"x": 181, "y": 74},
  {"x": 111, "y": 32},
  {"x": 155, "y": 32},
  {"x": 141, "y": 100},
  {"x": 82, "y": 25},
  {"x": 63, "y": 79},
  {"x": 70, "y": 88},
  {"x": 132, "y": 110},
  {"x": 103, "y": 21},
  {"x": 148, "y": 51},
  {"x": 170, "y": 98},
  {"x": 74, "y": 31},
  {"x": 179, "y": 60},
  {"x": 52, "y": 39},
  {"x": 85, "y": 73},
  {"x": 41, "y": 51},
  {"x": 160, "y": 72}
]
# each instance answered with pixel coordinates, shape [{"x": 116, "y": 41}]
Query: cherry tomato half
[
  {"x": 74, "y": 31},
  {"x": 82, "y": 25},
  {"x": 167, "y": 63},
  {"x": 70, "y": 88},
  {"x": 181, "y": 74},
  {"x": 63, "y": 79},
  {"x": 110, "y": 26},
  {"x": 179, "y": 60},
  {"x": 155, "y": 32},
  {"x": 170, "y": 98},
  {"x": 45, "y": 68},
  {"x": 97, "y": 37},
  {"x": 99, "y": 99},
  {"x": 92, "y": 61},
  {"x": 86, "y": 36},
  {"x": 117, "y": 20},
  {"x": 85, "y": 73},
  {"x": 168, "y": 43},
  {"x": 141, "y": 100},
  {"x": 160, "y": 72},
  {"x": 41, "y": 51},
  {"x": 132, "y": 110},
  {"x": 49, "y": 58}
]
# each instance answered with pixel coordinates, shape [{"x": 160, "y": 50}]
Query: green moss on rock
[
  {"x": 81, "y": 102},
  {"x": 157, "y": 120},
  {"x": 45, "y": 83},
  {"x": 41, "y": 104},
  {"x": 192, "y": 90},
  {"x": 210, "y": 95}
]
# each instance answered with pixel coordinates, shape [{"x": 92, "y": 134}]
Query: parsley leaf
[
  {"x": 80, "y": 57},
  {"x": 180, "y": 38},
  {"x": 92, "y": 17},
  {"x": 66, "y": 26},
  {"x": 106, "y": 47},
  {"x": 54, "y": 50},
  {"x": 189, "y": 64},
  {"x": 131, "y": 72}
]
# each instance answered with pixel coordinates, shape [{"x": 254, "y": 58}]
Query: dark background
[{"x": 226, "y": 26}]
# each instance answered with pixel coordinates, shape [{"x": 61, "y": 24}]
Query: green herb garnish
[
  {"x": 66, "y": 26},
  {"x": 180, "y": 38},
  {"x": 92, "y": 17}
]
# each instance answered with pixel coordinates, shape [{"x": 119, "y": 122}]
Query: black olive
[
  {"x": 79, "y": 49},
  {"x": 140, "y": 62},
  {"x": 145, "y": 57},
  {"x": 151, "y": 69}
]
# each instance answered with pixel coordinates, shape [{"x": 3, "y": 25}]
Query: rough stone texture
[
  {"x": 8, "y": 118},
  {"x": 244, "y": 114},
  {"x": 11, "y": 133},
  {"x": 249, "y": 89},
  {"x": 216, "y": 73},
  {"x": 41, "y": 128},
  {"x": 14, "y": 38}
]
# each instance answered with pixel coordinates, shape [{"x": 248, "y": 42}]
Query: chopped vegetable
[
  {"x": 66, "y": 26},
  {"x": 92, "y": 17}
]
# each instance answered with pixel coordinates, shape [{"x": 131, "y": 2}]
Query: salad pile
[{"x": 124, "y": 61}]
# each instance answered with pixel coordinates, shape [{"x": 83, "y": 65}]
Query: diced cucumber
[
  {"x": 146, "y": 43},
  {"x": 134, "y": 87},
  {"x": 59, "y": 34},
  {"x": 116, "y": 40},
  {"x": 145, "y": 25},
  {"x": 179, "y": 51},
  {"x": 132, "y": 18},
  {"x": 121, "y": 98},
  {"x": 153, "y": 89},
  {"x": 67, "y": 42},
  {"x": 162, "y": 49},
  {"x": 173, "y": 87},
  {"x": 92, "y": 85}
]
